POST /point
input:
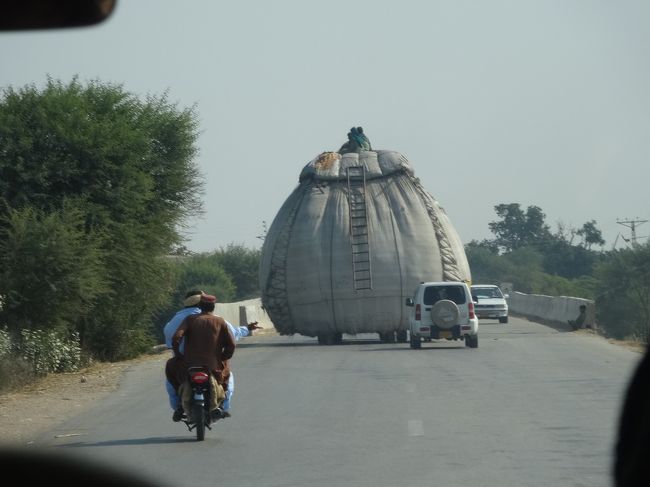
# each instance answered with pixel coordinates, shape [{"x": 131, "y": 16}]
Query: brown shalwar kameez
[{"x": 208, "y": 342}]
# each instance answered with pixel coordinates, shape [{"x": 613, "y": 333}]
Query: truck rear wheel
[
  {"x": 388, "y": 337},
  {"x": 330, "y": 338},
  {"x": 415, "y": 341}
]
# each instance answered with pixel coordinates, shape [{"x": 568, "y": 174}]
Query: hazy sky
[{"x": 542, "y": 103}]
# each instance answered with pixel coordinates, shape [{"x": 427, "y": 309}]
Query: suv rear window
[{"x": 433, "y": 294}]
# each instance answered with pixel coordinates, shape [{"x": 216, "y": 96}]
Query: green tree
[
  {"x": 197, "y": 271},
  {"x": 485, "y": 263},
  {"x": 203, "y": 271},
  {"x": 525, "y": 269},
  {"x": 623, "y": 293},
  {"x": 566, "y": 260},
  {"x": 590, "y": 234},
  {"x": 130, "y": 162},
  {"x": 242, "y": 265},
  {"x": 51, "y": 268},
  {"x": 518, "y": 228}
]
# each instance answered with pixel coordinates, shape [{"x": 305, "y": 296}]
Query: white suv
[{"x": 443, "y": 310}]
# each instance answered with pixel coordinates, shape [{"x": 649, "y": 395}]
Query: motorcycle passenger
[
  {"x": 207, "y": 341},
  {"x": 190, "y": 302}
]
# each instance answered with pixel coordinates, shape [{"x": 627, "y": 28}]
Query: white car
[
  {"x": 490, "y": 302},
  {"x": 443, "y": 310}
]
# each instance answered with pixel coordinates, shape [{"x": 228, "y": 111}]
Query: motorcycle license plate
[{"x": 444, "y": 334}]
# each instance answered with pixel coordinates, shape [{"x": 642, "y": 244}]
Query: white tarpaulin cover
[{"x": 307, "y": 276}]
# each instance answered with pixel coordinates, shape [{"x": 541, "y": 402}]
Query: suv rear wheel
[{"x": 471, "y": 341}]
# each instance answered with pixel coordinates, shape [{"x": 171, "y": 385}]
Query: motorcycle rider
[{"x": 190, "y": 303}]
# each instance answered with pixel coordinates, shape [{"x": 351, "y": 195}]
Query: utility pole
[
  {"x": 264, "y": 230},
  {"x": 632, "y": 224}
]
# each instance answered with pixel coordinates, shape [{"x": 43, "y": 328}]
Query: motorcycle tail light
[{"x": 199, "y": 377}]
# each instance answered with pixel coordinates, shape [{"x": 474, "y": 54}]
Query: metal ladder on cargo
[{"x": 361, "y": 265}]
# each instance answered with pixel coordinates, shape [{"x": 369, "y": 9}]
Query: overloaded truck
[{"x": 351, "y": 242}]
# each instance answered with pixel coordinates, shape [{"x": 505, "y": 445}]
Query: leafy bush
[
  {"x": 242, "y": 265},
  {"x": 95, "y": 188},
  {"x": 204, "y": 271},
  {"x": 48, "y": 351},
  {"x": 199, "y": 271},
  {"x": 485, "y": 263},
  {"x": 51, "y": 268},
  {"x": 14, "y": 372},
  {"x": 623, "y": 293},
  {"x": 5, "y": 342},
  {"x": 121, "y": 343},
  {"x": 524, "y": 268},
  {"x": 535, "y": 260}
]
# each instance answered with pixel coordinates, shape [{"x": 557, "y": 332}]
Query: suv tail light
[
  {"x": 418, "y": 312},
  {"x": 471, "y": 310}
]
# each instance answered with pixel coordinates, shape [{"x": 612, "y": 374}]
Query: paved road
[{"x": 530, "y": 407}]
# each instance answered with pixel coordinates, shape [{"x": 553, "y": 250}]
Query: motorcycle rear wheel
[{"x": 198, "y": 415}]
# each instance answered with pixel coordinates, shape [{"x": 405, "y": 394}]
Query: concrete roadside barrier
[
  {"x": 242, "y": 313},
  {"x": 557, "y": 310}
]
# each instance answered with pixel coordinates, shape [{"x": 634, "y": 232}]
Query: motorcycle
[{"x": 199, "y": 417}]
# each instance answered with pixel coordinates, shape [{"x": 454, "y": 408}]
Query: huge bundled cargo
[{"x": 351, "y": 242}]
